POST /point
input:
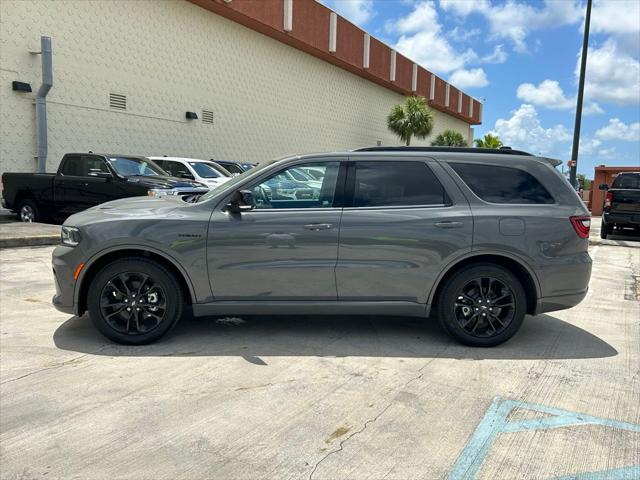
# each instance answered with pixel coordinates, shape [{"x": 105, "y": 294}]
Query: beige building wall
[{"x": 169, "y": 57}]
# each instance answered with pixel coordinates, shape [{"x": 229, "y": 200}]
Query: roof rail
[{"x": 495, "y": 151}]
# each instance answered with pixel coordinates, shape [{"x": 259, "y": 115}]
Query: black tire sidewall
[
  {"x": 160, "y": 275},
  {"x": 453, "y": 286},
  {"x": 605, "y": 230}
]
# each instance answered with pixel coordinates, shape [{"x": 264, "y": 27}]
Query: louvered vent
[
  {"x": 118, "y": 101},
  {"x": 207, "y": 116}
]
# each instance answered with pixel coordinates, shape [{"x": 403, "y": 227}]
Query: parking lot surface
[{"x": 320, "y": 397}]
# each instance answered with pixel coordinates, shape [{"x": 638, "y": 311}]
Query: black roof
[{"x": 500, "y": 151}]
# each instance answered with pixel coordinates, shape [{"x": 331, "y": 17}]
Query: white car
[{"x": 205, "y": 171}]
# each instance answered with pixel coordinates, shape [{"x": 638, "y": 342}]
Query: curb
[{"x": 32, "y": 241}]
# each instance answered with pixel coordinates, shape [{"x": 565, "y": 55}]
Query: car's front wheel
[
  {"x": 482, "y": 306},
  {"x": 134, "y": 301}
]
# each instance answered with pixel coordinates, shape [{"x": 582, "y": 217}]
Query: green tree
[
  {"x": 488, "y": 141},
  {"x": 584, "y": 181},
  {"x": 449, "y": 138},
  {"x": 411, "y": 118}
]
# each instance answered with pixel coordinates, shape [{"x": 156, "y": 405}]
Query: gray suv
[{"x": 476, "y": 238}]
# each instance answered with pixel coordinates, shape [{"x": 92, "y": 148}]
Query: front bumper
[
  {"x": 65, "y": 261},
  {"x": 618, "y": 218}
]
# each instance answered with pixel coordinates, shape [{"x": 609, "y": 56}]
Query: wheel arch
[
  {"x": 93, "y": 266},
  {"x": 517, "y": 266}
]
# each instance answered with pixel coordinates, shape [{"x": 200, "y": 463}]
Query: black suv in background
[
  {"x": 621, "y": 203},
  {"x": 84, "y": 180}
]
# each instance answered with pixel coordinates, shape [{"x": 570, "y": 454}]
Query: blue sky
[{"x": 521, "y": 59}]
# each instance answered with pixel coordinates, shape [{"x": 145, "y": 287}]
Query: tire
[
  {"x": 482, "y": 319},
  {"x": 605, "y": 230},
  {"x": 114, "y": 302},
  {"x": 28, "y": 211}
]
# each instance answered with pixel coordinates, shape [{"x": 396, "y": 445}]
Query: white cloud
[
  {"x": 497, "y": 56},
  {"x": 588, "y": 146},
  {"x": 476, "y": 77},
  {"x": 618, "y": 130},
  {"x": 460, "y": 34},
  {"x": 356, "y": 11},
  {"x": 548, "y": 94},
  {"x": 524, "y": 130},
  {"x": 612, "y": 75},
  {"x": 422, "y": 40},
  {"x": 618, "y": 18},
  {"x": 514, "y": 20}
]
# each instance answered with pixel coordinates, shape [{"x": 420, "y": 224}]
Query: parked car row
[{"x": 84, "y": 180}]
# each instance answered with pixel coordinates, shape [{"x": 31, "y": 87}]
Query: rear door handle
[
  {"x": 449, "y": 224},
  {"x": 317, "y": 226}
]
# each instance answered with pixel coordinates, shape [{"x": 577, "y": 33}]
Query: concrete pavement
[{"x": 318, "y": 397}]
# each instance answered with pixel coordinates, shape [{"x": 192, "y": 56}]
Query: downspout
[{"x": 41, "y": 102}]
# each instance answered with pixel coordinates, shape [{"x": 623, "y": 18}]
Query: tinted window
[
  {"x": 72, "y": 166},
  {"x": 502, "y": 184},
  {"x": 379, "y": 184},
  {"x": 281, "y": 190},
  {"x": 175, "y": 169},
  {"x": 627, "y": 180},
  {"x": 205, "y": 170},
  {"x": 232, "y": 168}
]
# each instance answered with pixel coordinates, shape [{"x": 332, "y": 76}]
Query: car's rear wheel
[
  {"x": 134, "y": 301},
  {"x": 605, "y": 229},
  {"x": 28, "y": 211},
  {"x": 482, "y": 306}
]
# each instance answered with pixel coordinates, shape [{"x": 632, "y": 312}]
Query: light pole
[{"x": 583, "y": 68}]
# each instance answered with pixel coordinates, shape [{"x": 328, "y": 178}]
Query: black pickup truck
[
  {"x": 87, "y": 179},
  {"x": 621, "y": 203}
]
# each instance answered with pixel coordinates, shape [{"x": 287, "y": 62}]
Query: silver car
[{"x": 475, "y": 238}]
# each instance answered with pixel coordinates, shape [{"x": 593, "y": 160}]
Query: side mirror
[
  {"x": 100, "y": 174},
  {"x": 241, "y": 201},
  {"x": 603, "y": 186}
]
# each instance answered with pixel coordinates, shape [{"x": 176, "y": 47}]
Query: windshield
[
  {"x": 205, "y": 170},
  {"x": 233, "y": 182},
  {"x": 130, "y": 166}
]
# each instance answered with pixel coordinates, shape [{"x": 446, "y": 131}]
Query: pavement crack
[
  {"x": 58, "y": 365},
  {"x": 418, "y": 376}
]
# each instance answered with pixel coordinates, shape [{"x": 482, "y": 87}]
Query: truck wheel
[
  {"x": 482, "y": 306},
  {"x": 605, "y": 230},
  {"x": 134, "y": 301},
  {"x": 28, "y": 211}
]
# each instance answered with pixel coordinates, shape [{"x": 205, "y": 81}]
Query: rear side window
[
  {"x": 382, "y": 184},
  {"x": 502, "y": 184},
  {"x": 72, "y": 166}
]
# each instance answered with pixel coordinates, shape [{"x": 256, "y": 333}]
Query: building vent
[
  {"x": 207, "y": 116},
  {"x": 118, "y": 101}
]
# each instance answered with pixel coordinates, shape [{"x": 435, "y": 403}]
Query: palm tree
[
  {"x": 488, "y": 141},
  {"x": 449, "y": 138},
  {"x": 412, "y": 117}
]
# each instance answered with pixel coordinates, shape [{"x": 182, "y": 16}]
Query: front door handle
[
  {"x": 317, "y": 226},
  {"x": 449, "y": 224}
]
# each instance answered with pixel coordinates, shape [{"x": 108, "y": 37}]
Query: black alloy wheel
[{"x": 134, "y": 301}]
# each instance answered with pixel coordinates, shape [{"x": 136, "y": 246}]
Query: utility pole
[{"x": 583, "y": 68}]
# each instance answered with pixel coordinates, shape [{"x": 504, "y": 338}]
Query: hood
[
  {"x": 133, "y": 207},
  {"x": 157, "y": 181}
]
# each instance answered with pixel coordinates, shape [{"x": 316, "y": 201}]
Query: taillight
[
  {"x": 581, "y": 225},
  {"x": 607, "y": 200}
]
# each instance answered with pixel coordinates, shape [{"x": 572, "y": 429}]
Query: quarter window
[
  {"x": 395, "y": 183},
  {"x": 282, "y": 190},
  {"x": 502, "y": 184}
]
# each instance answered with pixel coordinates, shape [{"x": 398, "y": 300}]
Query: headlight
[
  {"x": 160, "y": 192},
  {"x": 70, "y": 236}
]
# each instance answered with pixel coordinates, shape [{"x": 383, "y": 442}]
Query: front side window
[
  {"x": 502, "y": 184},
  {"x": 282, "y": 190},
  {"x": 131, "y": 166},
  {"x": 396, "y": 183}
]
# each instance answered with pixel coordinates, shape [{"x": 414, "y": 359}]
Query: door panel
[
  {"x": 274, "y": 255},
  {"x": 397, "y": 252},
  {"x": 286, "y": 248}
]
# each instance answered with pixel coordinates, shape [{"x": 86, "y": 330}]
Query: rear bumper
[
  {"x": 560, "y": 302},
  {"x": 619, "y": 218}
]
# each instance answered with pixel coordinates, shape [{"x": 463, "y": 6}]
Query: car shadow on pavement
[{"x": 541, "y": 337}]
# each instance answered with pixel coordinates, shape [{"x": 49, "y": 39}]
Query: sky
[{"x": 522, "y": 59}]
